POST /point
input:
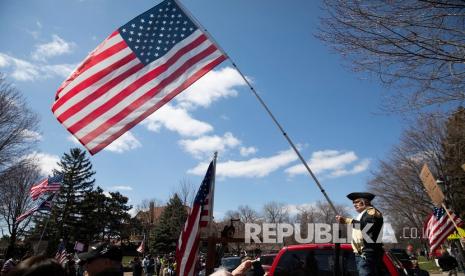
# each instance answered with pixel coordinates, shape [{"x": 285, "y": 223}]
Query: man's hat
[
  {"x": 354, "y": 196},
  {"x": 102, "y": 250}
]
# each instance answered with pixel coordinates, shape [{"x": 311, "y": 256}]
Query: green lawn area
[
  {"x": 430, "y": 266},
  {"x": 127, "y": 259}
]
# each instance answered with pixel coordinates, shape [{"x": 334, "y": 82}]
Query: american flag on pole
[
  {"x": 188, "y": 243},
  {"x": 140, "y": 67},
  {"x": 45, "y": 205},
  {"x": 141, "y": 248},
  {"x": 61, "y": 254},
  {"x": 439, "y": 226},
  {"x": 50, "y": 184}
]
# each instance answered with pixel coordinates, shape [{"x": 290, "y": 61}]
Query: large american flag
[
  {"x": 439, "y": 226},
  {"x": 199, "y": 216},
  {"x": 45, "y": 205},
  {"x": 50, "y": 184},
  {"x": 136, "y": 70}
]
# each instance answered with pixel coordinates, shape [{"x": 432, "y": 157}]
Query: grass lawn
[
  {"x": 127, "y": 259},
  {"x": 430, "y": 266}
]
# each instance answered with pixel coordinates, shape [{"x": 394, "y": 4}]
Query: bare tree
[
  {"x": 247, "y": 214},
  {"x": 400, "y": 192},
  {"x": 17, "y": 125},
  {"x": 275, "y": 212},
  {"x": 186, "y": 191},
  {"x": 15, "y": 183},
  {"x": 416, "y": 47}
]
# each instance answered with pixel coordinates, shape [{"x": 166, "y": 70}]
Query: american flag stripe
[
  {"x": 119, "y": 71},
  {"x": 188, "y": 243},
  {"x": 96, "y": 57},
  {"x": 190, "y": 238}
]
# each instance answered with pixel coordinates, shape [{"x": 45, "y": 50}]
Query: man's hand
[
  {"x": 340, "y": 219},
  {"x": 242, "y": 268}
]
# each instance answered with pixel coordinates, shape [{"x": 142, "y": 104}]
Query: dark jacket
[
  {"x": 447, "y": 262},
  {"x": 362, "y": 244}
]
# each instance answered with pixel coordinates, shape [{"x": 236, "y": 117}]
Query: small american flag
[
  {"x": 50, "y": 184},
  {"x": 439, "y": 226},
  {"x": 135, "y": 71},
  {"x": 141, "y": 248},
  {"x": 45, "y": 205},
  {"x": 61, "y": 254},
  {"x": 188, "y": 243}
]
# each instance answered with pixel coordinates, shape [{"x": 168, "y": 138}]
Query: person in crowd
[
  {"x": 151, "y": 266},
  {"x": 102, "y": 259},
  {"x": 8, "y": 266},
  {"x": 136, "y": 266},
  {"x": 38, "y": 266},
  {"x": 368, "y": 251},
  {"x": 447, "y": 263},
  {"x": 79, "y": 268},
  {"x": 145, "y": 263}
]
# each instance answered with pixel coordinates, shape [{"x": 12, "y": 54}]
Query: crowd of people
[{"x": 154, "y": 265}]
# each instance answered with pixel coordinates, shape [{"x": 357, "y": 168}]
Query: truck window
[{"x": 316, "y": 262}]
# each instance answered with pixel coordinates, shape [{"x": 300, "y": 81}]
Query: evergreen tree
[
  {"x": 454, "y": 157},
  {"x": 171, "y": 223},
  {"x": 66, "y": 221}
]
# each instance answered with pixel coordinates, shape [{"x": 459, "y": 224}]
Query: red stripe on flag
[
  {"x": 94, "y": 58},
  {"x": 92, "y": 80},
  {"x": 98, "y": 93}
]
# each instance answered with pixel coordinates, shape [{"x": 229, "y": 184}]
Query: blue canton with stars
[
  {"x": 204, "y": 189},
  {"x": 153, "y": 33},
  {"x": 438, "y": 212}
]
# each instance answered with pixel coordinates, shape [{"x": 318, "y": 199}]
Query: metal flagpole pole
[
  {"x": 262, "y": 103},
  {"x": 212, "y": 195},
  {"x": 42, "y": 235}
]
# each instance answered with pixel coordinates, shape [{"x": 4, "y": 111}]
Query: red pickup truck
[{"x": 318, "y": 259}]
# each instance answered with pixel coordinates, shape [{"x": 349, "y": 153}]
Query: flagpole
[
  {"x": 43, "y": 231},
  {"x": 286, "y": 136},
  {"x": 212, "y": 198},
  {"x": 450, "y": 217}
]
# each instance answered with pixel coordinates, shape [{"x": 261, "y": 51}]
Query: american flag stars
[{"x": 173, "y": 25}]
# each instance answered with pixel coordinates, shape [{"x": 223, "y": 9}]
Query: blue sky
[{"x": 331, "y": 113}]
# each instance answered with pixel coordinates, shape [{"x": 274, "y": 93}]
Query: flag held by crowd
[
  {"x": 61, "y": 254},
  {"x": 439, "y": 226},
  {"x": 45, "y": 205},
  {"x": 140, "y": 67},
  {"x": 141, "y": 248},
  {"x": 50, "y": 184},
  {"x": 188, "y": 243}
]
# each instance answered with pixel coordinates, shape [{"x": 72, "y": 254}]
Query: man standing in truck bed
[{"x": 366, "y": 231}]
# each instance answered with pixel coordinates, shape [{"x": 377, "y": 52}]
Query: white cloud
[
  {"x": 332, "y": 163},
  {"x": 294, "y": 209},
  {"x": 246, "y": 151},
  {"x": 125, "y": 142},
  {"x": 47, "y": 162},
  {"x": 214, "y": 85},
  {"x": 255, "y": 167},
  {"x": 56, "y": 47},
  {"x": 22, "y": 70},
  {"x": 208, "y": 144},
  {"x": 120, "y": 188},
  {"x": 32, "y": 135},
  {"x": 178, "y": 120}
]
